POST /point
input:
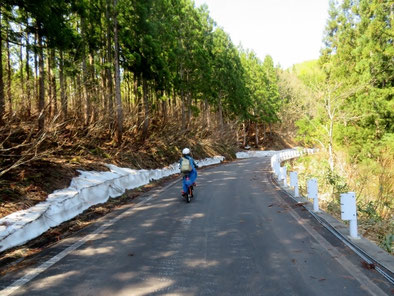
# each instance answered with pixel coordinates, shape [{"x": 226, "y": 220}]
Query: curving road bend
[{"x": 241, "y": 235}]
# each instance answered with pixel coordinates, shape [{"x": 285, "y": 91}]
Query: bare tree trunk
[
  {"x": 79, "y": 98},
  {"x": 22, "y": 80},
  {"x": 257, "y": 134},
  {"x": 50, "y": 96},
  {"x": 2, "y": 101},
  {"x": 36, "y": 81},
  {"x": 63, "y": 97},
  {"x": 53, "y": 82},
  {"x": 28, "y": 84},
  {"x": 183, "y": 102},
  {"x": 330, "y": 149},
  {"x": 173, "y": 105},
  {"x": 236, "y": 134},
  {"x": 203, "y": 113},
  {"x": 8, "y": 70},
  {"x": 138, "y": 100},
  {"x": 104, "y": 90},
  {"x": 109, "y": 61},
  {"x": 93, "y": 90},
  {"x": 245, "y": 136},
  {"x": 220, "y": 113},
  {"x": 85, "y": 75},
  {"x": 208, "y": 115},
  {"x": 110, "y": 91},
  {"x": 129, "y": 92},
  {"x": 119, "y": 110},
  {"x": 135, "y": 91},
  {"x": 165, "y": 111},
  {"x": 145, "y": 127},
  {"x": 189, "y": 108},
  {"x": 41, "y": 98}
]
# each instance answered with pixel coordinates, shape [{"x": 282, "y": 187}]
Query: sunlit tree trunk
[
  {"x": 22, "y": 80},
  {"x": 257, "y": 134},
  {"x": 109, "y": 61},
  {"x": 93, "y": 97},
  {"x": 41, "y": 98},
  {"x": 36, "y": 81},
  {"x": 244, "y": 142},
  {"x": 183, "y": 110},
  {"x": 145, "y": 94},
  {"x": 2, "y": 101},
  {"x": 104, "y": 90},
  {"x": 63, "y": 96},
  {"x": 129, "y": 91},
  {"x": 189, "y": 109},
  {"x": 330, "y": 149},
  {"x": 85, "y": 75},
  {"x": 138, "y": 100},
  {"x": 208, "y": 115},
  {"x": 119, "y": 110},
  {"x": 28, "y": 83},
  {"x": 164, "y": 110},
  {"x": 79, "y": 98},
  {"x": 220, "y": 112},
  {"x": 9, "y": 70},
  {"x": 53, "y": 82},
  {"x": 49, "y": 74}
]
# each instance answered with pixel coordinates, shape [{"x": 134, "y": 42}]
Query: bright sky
[{"x": 290, "y": 31}]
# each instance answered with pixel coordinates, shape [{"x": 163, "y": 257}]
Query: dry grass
[{"x": 69, "y": 146}]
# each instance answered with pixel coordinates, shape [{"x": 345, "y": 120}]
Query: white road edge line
[{"x": 30, "y": 275}]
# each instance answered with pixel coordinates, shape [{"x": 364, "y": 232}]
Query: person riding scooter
[{"x": 188, "y": 168}]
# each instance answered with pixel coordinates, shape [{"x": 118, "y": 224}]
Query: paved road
[{"x": 240, "y": 236}]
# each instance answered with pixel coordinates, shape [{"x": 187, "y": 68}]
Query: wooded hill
[
  {"x": 344, "y": 104},
  {"x": 111, "y": 61}
]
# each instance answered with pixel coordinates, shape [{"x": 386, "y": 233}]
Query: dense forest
[
  {"x": 125, "y": 65},
  {"x": 100, "y": 77}
]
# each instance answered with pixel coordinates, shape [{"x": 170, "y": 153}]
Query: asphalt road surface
[{"x": 240, "y": 235}]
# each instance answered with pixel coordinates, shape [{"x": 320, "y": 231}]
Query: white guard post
[
  {"x": 313, "y": 193},
  {"x": 349, "y": 212},
  {"x": 294, "y": 183},
  {"x": 280, "y": 173},
  {"x": 283, "y": 171},
  {"x": 277, "y": 169}
]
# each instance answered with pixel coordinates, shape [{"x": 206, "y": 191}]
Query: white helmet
[{"x": 186, "y": 151}]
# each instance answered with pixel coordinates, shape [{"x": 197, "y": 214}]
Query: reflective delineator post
[
  {"x": 277, "y": 169},
  {"x": 274, "y": 165},
  {"x": 349, "y": 212},
  {"x": 313, "y": 193},
  {"x": 283, "y": 171},
  {"x": 294, "y": 183},
  {"x": 353, "y": 228},
  {"x": 280, "y": 178}
]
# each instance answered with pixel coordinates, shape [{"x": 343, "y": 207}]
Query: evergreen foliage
[{"x": 169, "y": 50}]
